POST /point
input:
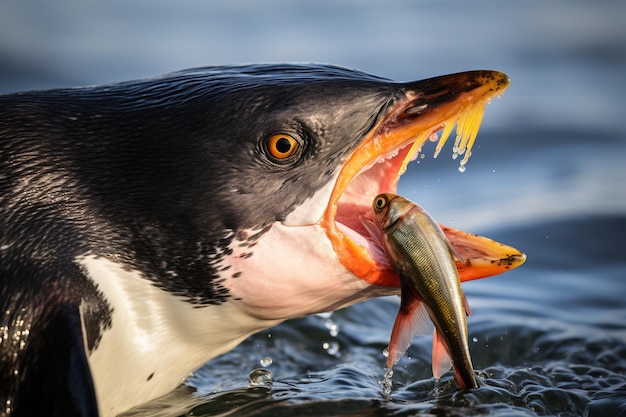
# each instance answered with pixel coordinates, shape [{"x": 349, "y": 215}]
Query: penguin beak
[{"x": 428, "y": 110}]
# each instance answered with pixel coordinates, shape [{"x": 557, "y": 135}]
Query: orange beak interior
[{"x": 375, "y": 166}]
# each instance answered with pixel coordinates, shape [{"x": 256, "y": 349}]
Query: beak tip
[
  {"x": 512, "y": 261},
  {"x": 520, "y": 258}
]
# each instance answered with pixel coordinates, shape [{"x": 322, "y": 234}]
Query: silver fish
[{"x": 430, "y": 285}]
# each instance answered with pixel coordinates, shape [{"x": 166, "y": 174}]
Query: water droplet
[
  {"x": 386, "y": 352},
  {"x": 332, "y": 348},
  {"x": 493, "y": 170},
  {"x": 455, "y": 155},
  {"x": 462, "y": 168},
  {"x": 422, "y": 156},
  {"x": 260, "y": 378},
  {"x": 266, "y": 361},
  {"x": 475, "y": 339},
  {"x": 332, "y": 327}
]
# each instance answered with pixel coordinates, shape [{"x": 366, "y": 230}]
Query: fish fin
[
  {"x": 376, "y": 246},
  {"x": 441, "y": 358},
  {"x": 453, "y": 250},
  {"x": 412, "y": 319},
  {"x": 466, "y": 306},
  {"x": 375, "y": 233}
]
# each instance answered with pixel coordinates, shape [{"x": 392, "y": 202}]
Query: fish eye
[
  {"x": 380, "y": 202},
  {"x": 281, "y": 146}
]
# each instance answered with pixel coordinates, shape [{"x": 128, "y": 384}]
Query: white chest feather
[{"x": 156, "y": 338}]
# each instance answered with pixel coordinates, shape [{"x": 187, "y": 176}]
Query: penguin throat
[{"x": 343, "y": 218}]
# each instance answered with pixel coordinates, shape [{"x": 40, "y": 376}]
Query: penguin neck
[{"x": 155, "y": 338}]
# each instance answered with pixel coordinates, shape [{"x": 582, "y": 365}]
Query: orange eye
[
  {"x": 380, "y": 202},
  {"x": 282, "y": 146}
]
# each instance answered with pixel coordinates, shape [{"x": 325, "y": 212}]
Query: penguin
[{"x": 151, "y": 225}]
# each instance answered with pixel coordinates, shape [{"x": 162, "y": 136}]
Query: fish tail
[
  {"x": 463, "y": 372},
  {"x": 464, "y": 379}
]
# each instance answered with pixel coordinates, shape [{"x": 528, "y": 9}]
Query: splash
[{"x": 386, "y": 384}]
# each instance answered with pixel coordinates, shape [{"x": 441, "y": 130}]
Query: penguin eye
[
  {"x": 380, "y": 202},
  {"x": 281, "y": 146}
]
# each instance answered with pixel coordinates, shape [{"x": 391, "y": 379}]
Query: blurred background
[
  {"x": 566, "y": 60},
  {"x": 547, "y": 174}
]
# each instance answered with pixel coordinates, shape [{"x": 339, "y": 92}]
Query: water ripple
[{"x": 533, "y": 372}]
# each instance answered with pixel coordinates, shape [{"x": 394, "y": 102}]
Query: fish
[
  {"x": 151, "y": 225},
  {"x": 430, "y": 286}
]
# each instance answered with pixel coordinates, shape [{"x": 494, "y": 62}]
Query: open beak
[{"x": 375, "y": 166}]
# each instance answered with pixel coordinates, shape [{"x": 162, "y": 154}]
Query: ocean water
[{"x": 547, "y": 176}]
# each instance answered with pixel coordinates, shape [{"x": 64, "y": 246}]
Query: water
[{"x": 546, "y": 175}]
